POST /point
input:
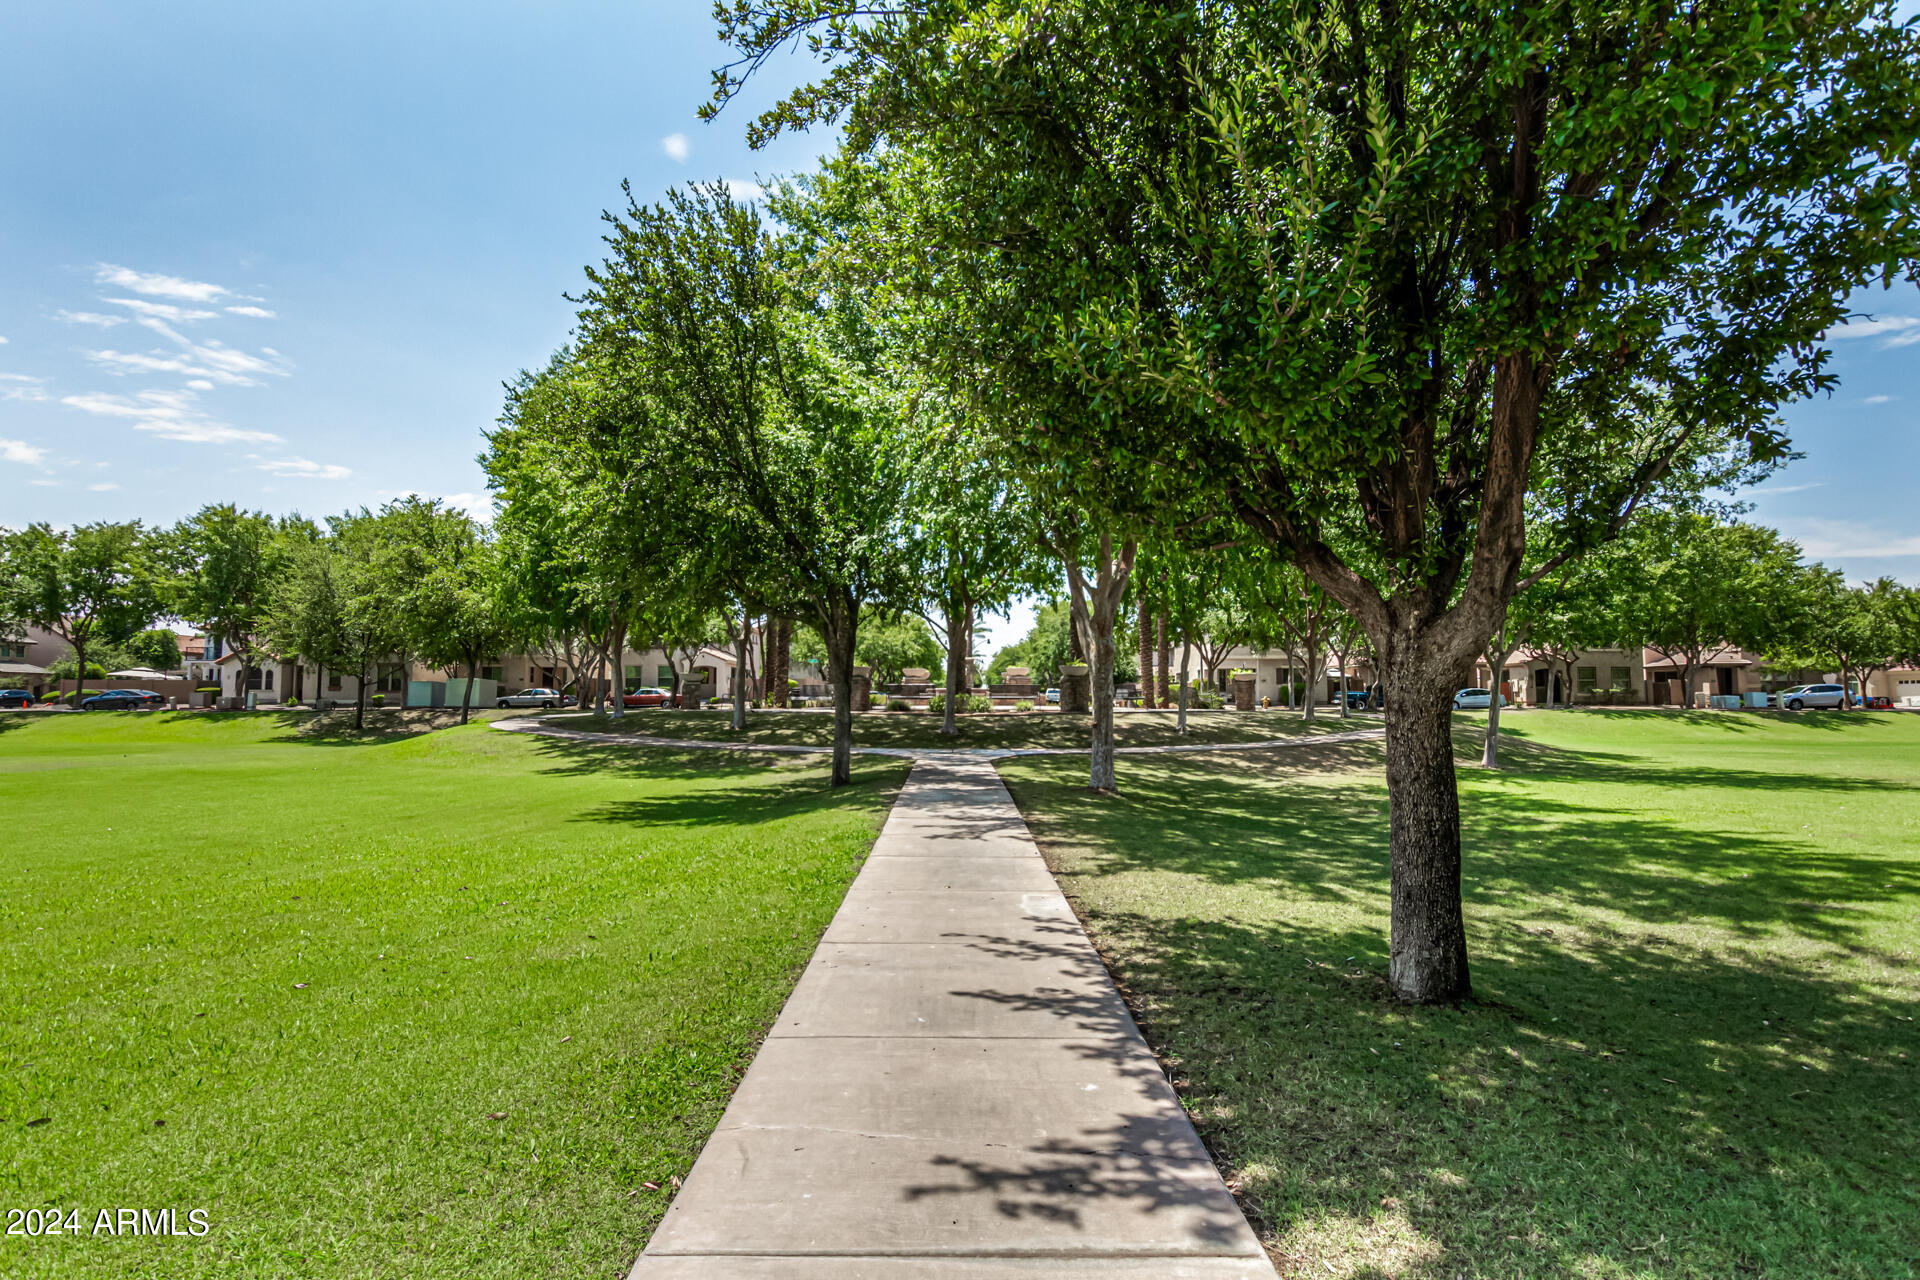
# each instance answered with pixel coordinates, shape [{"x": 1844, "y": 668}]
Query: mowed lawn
[
  {"x": 1696, "y": 953},
  {"x": 436, "y": 1005},
  {"x": 1042, "y": 730}
]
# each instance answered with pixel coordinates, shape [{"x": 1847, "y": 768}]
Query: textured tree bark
[
  {"x": 740, "y": 643},
  {"x": 618, "y": 642},
  {"x": 1095, "y": 609},
  {"x": 842, "y": 620},
  {"x": 1428, "y": 951},
  {"x": 1143, "y": 625},
  {"x": 1496, "y": 663},
  {"x": 1186, "y": 651},
  {"x": 1163, "y": 678},
  {"x": 956, "y": 643}
]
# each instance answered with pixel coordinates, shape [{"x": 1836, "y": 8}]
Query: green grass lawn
[
  {"x": 1693, "y": 1050},
  {"x": 995, "y": 729},
  {"x": 387, "y": 1005}
]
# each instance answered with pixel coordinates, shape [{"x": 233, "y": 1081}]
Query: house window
[
  {"x": 254, "y": 678},
  {"x": 1621, "y": 678},
  {"x": 390, "y": 677},
  {"x": 333, "y": 682},
  {"x": 1589, "y": 678},
  {"x": 665, "y": 676},
  {"x": 269, "y": 683},
  {"x": 493, "y": 674}
]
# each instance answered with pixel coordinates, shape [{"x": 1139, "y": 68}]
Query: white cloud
[
  {"x": 1774, "y": 490},
  {"x": 1877, "y": 400},
  {"x": 209, "y": 361},
  {"x": 105, "y": 486},
  {"x": 1833, "y": 539},
  {"x": 162, "y": 310},
  {"x": 3, "y": 340},
  {"x": 90, "y": 317},
  {"x": 477, "y": 505},
  {"x": 171, "y": 415},
  {"x": 258, "y": 313},
  {"x": 1872, "y": 328},
  {"x": 302, "y": 468},
  {"x": 158, "y": 286},
  {"x": 45, "y": 484},
  {"x": 744, "y": 192},
  {"x": 675, "y": 145},
  {"x": 21, "y": 452},
  {"x": 20, "y": 386},
  {"x": 1905, "y": 339},
  {"x": 201, "y": 384}
]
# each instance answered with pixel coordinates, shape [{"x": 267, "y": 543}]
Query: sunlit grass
[
  {"x": 1693, "y": 1050},
  {"x": 437, "y": 1005}
]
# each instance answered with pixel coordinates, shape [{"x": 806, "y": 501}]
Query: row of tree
[{"x": 1425, "y": 301}]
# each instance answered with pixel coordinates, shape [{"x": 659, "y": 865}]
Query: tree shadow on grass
[
  {"x": 754, "y": 786},
  {"x": 1620, "y": 1099},
  {"x": 1327, "y": 841}
]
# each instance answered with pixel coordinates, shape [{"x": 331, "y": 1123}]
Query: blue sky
[{"x": 285, "y": 255}]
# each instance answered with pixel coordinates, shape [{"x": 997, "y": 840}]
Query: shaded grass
[
  {"x": 1693, "y": 1049},
  {"x": 293, "y": 981},
  {"x": 985, "y": 730}
]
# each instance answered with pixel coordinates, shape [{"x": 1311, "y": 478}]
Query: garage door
[{"x": 1908, "y": 689}]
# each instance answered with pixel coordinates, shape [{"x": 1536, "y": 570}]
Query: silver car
[
  {"x": 531, "y": 698},
  {"x": 1475, "y": 699},
  {"x": 1803, "y": 696}
]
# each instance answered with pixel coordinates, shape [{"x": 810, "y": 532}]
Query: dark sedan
[
  {"x": 122, "y": 700},
  {"x": 15, "y": 698}
]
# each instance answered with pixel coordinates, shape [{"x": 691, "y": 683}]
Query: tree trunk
[
  {"x": 740, "y": 673},
  {"x": 360, "y": 699},
  {"x": 1290, "y": 706},
  {"x": 466, "y": 694},
  {"x": 1686, "y": 685},
  {"x": 956, "y": 620},
  {"x": 1345, "y": 712},
  {"x": 1314, "y": 677},
  {"x": 1144, "y": 626},
  {"x": 1490, "y": 754},
  {"x": 842, "y": 622},
  {"x": 1428, "y": 962},
  {"x": 618, "y": 642},
  {"x": 79, "y": 673},
  {"x": 1162, "y": 693},
  {"x": 1100, "y": 773},
  {"x": 1186, "y": 649}
]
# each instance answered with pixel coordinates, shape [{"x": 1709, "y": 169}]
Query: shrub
[
  {"x": 899, "y": 704},
  {"x": 970, "y": 702},
  {"x": 379, "y": 699},
  {"x": 1023, "y": 705}
]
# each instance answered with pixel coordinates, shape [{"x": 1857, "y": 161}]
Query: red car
[{"x": 647, "y": 698}]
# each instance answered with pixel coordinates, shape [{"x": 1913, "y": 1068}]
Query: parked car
[
  {"x": 1362, "y": 699},
  {"x": 1803, "y": 696},
  {"x": 646, "y": 697},
  {"x": 15, "y": 698},
  {"x": 1475, "y": 700},
  {"x": 531, "y": 698},
  {"x": 1053, "y": 697},
  {"x": 122, "y": 700}
]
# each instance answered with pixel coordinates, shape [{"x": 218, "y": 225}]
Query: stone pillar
[
  {"x": 862, "y": 689},
  {"x": 1243, "y": 691},
  {"x": 1076, "y": 689}
]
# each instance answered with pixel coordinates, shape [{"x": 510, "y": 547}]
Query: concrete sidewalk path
[{"x": 955, "y": 1089}]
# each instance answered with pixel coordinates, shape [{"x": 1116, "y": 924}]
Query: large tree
[
  {"x": 1380, "y": 261},
  {"x": 91, "y": 585},
  {"x": 1856, "y": 631},
  {"x": 221, "y": 562},
  {"x": 1689, "y": 585},
  {"x": 795, "y": 461}
]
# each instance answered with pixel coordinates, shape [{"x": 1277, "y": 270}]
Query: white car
[
  {"x": 1802, "y": 696},
  {"x": 1053, "y": 697},
  {"x": 531, "y": 698},
  {"x": 1475, "y": 700}
]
